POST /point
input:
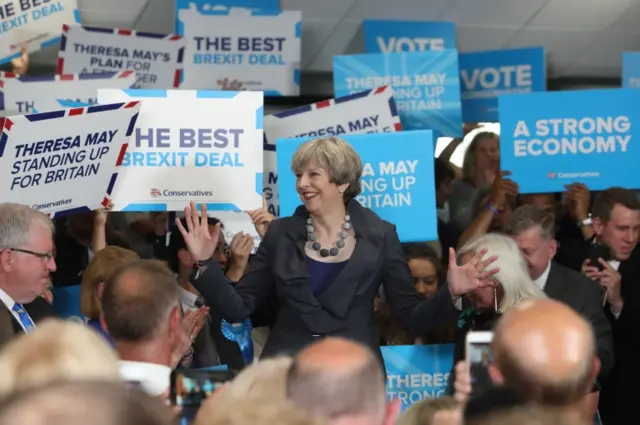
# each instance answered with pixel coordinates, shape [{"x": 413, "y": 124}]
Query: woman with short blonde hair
[
  {"x": 103, "y": 265},
  {"x": 56, "y": 350},
  {"x": 325, "y": 263}
]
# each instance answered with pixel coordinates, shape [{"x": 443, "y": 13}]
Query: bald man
[{"x": 341, "y": 382}]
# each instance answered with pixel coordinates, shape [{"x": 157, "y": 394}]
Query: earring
[
  {"x": 341, "y": 190},
  {"x": 495, "y": 300}
]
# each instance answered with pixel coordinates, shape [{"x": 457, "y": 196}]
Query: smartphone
[
  {"x": 597, "y": 251},
  {"x": 191, "y": 387},
  {"x": 478, "y": 355}
]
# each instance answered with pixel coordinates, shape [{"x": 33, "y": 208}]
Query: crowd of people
[{"x": 300, "y": 323}]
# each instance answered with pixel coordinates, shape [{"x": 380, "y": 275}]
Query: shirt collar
[
  {"x": 7, "y": 300},
  {"x": 154, "y": 379},
  {"x": 188, "y": 298},
  {"x": 541, "y": 282}
]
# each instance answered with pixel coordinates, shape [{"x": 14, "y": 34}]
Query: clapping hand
[
  {"x": 472, "y": 275},
  {"x": 190, "y": 326},
  {"x": 200, "y": 242}
]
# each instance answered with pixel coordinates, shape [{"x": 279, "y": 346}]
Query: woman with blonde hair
[
  {"x": 482, "y": 307},
  {"x": 325, "y": 263},
  {"x": 56, "y": 350},
  {"x": 104, "y": 263}
]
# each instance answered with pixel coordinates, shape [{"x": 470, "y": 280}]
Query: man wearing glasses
[{"x": 26, "y": 262}]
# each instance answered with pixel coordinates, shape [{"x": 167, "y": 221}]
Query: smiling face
[{"x": 317, "y": 192}]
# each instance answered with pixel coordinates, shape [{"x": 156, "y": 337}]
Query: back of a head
[
  {"x": 423, "y": 412},
  {"x": 337, "y": 378},
  {"x": 545, "y": 351},
  {"x": 138, "y": 300},
  {"x": 81, "y": 403},
  {"x": 56, "y": 350},
  {"x": 257, "y": 411},
  {"x": 526, "y": 415}
]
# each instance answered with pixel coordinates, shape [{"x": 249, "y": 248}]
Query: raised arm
[
  {"x": 235, "y": 303},
  {"x": 424, "y": 315}
]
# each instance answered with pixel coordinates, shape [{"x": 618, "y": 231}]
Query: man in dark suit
[
  {"x": 26, "y": 262},
  {"x": 533, "y": 231}
]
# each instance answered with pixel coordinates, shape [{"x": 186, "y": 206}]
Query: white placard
[
  {"x": 201, "y": 146},
  {"x": 238, "y": 49},
  {"x": 372, "y": 111},
  {"x": 234, "y": 223},
  {"x": 64, "y": 161},
  {"x": 27, "y": 95},
  {"x": 35, "y": 22},
  {"x": 156, "y": 58}
]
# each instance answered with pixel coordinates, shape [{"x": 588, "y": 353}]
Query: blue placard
[
  {"x": 417, "y": 372},
  {"x": 397, "y": 179},
  {"x": 552, "y": 139},
  {"x": 426, "y": 85},
  {"x": 408, "y": 36},
  {"x": 224, "y": 5},
  {"x": 486, "y": 75},
  {"x": 66, "y": 301},
  {"x": 631, "y": 70}
]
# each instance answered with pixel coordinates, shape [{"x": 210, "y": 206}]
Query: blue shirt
[
  {"x": 95, "y": 324},
  {"x": 322, "y": 275}
]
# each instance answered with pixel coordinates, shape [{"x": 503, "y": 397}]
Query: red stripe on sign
[
  {"x": 397, "y": 126},
  {"x": 66, "y": 77},
  {"x": 76, "y": 111},
  {"x": 60, "y": 66},
  {"x": 105, "y": 202},
  {"x": 323, "y": 104},
  {"x": 65, "y": 28},
  {"x": 125, "y": 74},
  {"x": 1, "y": 84},
  {"x": 175, "y": 37},
  {"x": 176, "y": 78},
  {"x": 123, "y": 150},
  {"x": 380, "y": 89},
  {"x": 131, "y": 104},
  {"x": 124, "y": 32},
  {"x": 8, "y": 124},
  {"x": 10, "y": 75}
]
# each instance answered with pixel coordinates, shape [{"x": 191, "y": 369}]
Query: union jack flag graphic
[{"x": 155, "y": 193}]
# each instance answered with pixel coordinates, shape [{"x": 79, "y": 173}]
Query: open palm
[
  {"x": 470, "y": 276},
  {"x": 200, "y": 241}
]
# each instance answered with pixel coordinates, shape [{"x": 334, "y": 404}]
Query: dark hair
[
  {"x": 420, "y": 250},
  {"x": 176, "y": 243},
  {"x": 137, "y": 300},
  {"x": 607, "y": 199},
  {"x": 76, "y": 403},
  {"x": 443, "y": 172}
]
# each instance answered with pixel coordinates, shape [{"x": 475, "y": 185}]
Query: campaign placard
[
  {"x": 243, "y": 4},
  {"x": 21, "y": 94},
  {"x": 240, "y": 49},
  {"x": 548, "y": 140},
  {"x": 382, "y": 36},
  {"x": 486, "y": 75},
  {"x": 202, "y": 146},
  {"x": 235, "y": 222},
  {"x": 397, "y": 179},
  {"x": 426, "y": 85},
  {"x": 155, "y": 58},
  {"x": 417, "y": 372},
  {"x": 64, "y": 161},
  {"x": 631, "y": 70},
  {"x": 34, "y": 22},
  {"x": 371, "y": 111}
]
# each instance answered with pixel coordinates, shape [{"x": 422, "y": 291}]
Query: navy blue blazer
[{"x": 345, "y": 309}]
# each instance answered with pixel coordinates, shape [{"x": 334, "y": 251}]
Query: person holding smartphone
[{"x": 482, "y": 307}]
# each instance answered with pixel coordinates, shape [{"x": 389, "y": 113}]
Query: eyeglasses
[{"x": 47, "y": 256}]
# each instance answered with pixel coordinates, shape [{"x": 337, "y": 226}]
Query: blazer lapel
[{"x": 553, "y": 286}]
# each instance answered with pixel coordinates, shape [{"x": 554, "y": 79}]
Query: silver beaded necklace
[{"x": 340, "y": 243}]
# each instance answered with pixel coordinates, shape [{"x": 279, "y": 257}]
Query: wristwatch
[
  {"x": 202, "y": 263},
  {"x": 586, "y": 222}
]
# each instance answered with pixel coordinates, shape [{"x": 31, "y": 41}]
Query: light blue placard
[
  {"x": 631, "y": 70},
  {"x": 426, "y": 85},
  {"x": 417, "y": 372},
  {"x": 552, "y": 139},
  {"x": 397, "y": 180},
  {"x": 408, "y": 36},
  {"x": 224, "y": 5},
  {"x": 486, "y": 75}
]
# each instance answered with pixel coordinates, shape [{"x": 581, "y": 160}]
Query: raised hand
[
  {"x": 199, "y": 240},
  {"x": 472, "y": 275},
  {"x": 21, "y": 64},
  {"x": 261, "y": 218}
]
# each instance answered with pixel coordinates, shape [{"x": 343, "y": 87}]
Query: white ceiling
[{"x": 584, "y": 38}]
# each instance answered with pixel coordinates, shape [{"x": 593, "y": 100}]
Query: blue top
[
  {"x": 322, "y": 275},
  {"x": 95, "y": 324}
]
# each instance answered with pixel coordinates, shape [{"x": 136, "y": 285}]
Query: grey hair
[
  {"x": 336, "y": 156},
  {"x": 16, "y": 222},
  {"x": 513, "y": 276},
  {"x": 526, "y": 217}
]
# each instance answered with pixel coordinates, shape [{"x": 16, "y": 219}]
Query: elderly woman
[
  {"x": 326, "y": 262},
  {"x": 484, "y": 305}
]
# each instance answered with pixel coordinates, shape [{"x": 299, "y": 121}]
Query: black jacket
[{"x": 345, "y": 309}]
